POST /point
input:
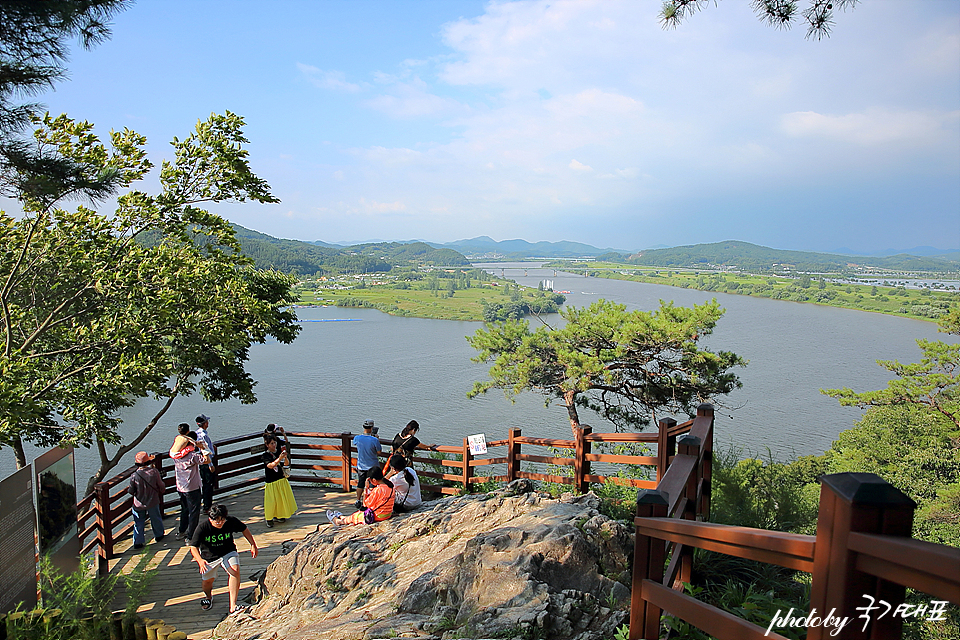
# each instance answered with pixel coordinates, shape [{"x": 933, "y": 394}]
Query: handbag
[
  {"x": 286, "y": 471},
  {"x": 369, "y": 516}
]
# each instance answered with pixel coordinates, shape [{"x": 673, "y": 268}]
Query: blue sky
[{"x": 555, "y": 120}]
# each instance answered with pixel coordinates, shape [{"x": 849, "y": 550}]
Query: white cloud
[
  {"x": 412, "y": 100},
  {"x": 333, "y": 80},
  {"x": 385, "y": 156},
  {"x": 372, "y": 206},
  {"x": 874, "y": 126},
  {"x": 549, "y": 108}
]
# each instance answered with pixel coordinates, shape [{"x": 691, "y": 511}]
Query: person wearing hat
[
  {"x": 208, "y": 472},
  {"x": 367, "y": 446},
  {"x": 147, "y": 489}
]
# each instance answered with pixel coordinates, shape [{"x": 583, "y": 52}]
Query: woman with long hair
[
  {"x": 278, "y": 501},
  {"x": 406, "y": 442},
  {"x": 406, "y": 483}
]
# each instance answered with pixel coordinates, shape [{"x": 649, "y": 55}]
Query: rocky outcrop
[{"x": 508, "y": 564}]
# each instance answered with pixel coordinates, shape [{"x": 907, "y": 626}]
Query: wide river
[{"x": 372, "y": 365}]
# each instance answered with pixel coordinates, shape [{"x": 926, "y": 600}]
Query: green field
[
  {"x": 427, "y": 298},
  {"x": 922, "y": 304}
]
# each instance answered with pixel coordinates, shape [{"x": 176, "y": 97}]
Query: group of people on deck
[{"x": 381, "y": 491}]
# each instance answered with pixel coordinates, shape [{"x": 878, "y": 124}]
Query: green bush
[
  {"x": 751, "y": 492},
  {"x": 78, "y": 606}
]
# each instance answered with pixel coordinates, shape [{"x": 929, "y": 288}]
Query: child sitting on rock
[{"x": 377, "y": 501}]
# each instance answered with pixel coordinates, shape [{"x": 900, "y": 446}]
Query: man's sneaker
[
  {"x": 333, "y": 515},
  {"x": 137, "y": 547},
  {"x": 160, "y": 539},
  {"x": 180, "y": 535},
  {"x": 358, "y": 504}
]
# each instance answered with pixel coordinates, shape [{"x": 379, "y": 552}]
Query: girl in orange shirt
[{"x": 377, "y": 498}]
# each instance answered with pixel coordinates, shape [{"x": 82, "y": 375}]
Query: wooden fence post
[
  {"x": 581, "y": 467},
  {"x": 104, "y": 527},
  {"x": 513, "y": 450},
  {"x": 648, "y": 557},
  {"x": 688, "y": 445},
  {"x": 346, "y": 458},
  {"x": 703, "y": 509},
  {"x": 864, "y": 503},
  {"x": 466, "y": 466},
  {"x": 666, "y": 446}
]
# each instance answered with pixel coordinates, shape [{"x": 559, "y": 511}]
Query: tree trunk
[
  {"x": 18, "y": 451},
  {"x": 107, "y": 463},
  {"x": 568, "y": 400}
]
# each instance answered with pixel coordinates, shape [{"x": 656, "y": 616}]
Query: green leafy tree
[
  {"x": 933, "y": 383},
  {"x": 152, "y": 299},
  {"x": 34, "y": 38},
  {"x": 782, "y": 14},
  {"x": 626, "y": 365},
  {"x": 918, "y": 451}
]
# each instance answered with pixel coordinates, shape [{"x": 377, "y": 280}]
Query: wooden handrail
[
  {"x": 674, "y": 482},
  {"x": 621, "y": 437},
  {"x": 791, "y": 550},
  {"x": 547, "y": 442},
  {"x": 862, "y": 546},
  {"x": 714, "y": 621},
  {"x": 924, "y": 566}
]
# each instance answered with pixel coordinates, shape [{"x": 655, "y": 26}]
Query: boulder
[{"x": 511, "y": 563}]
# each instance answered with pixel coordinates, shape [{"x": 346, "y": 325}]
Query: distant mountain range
[
  {"x": 515, "y": 249},
  {"x": 484, "y": 245},
  {"x": 506, "y": 249},
  {"x": 308, "y": 258},
  {"x": 915, "y": 251},
  {"x": 755, "y": 258}
]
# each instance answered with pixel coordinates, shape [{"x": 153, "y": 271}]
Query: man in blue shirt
[{"x": 367, "y": 446}]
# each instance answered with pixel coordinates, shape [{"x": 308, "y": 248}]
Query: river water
[{"x": 391, "y": 370}]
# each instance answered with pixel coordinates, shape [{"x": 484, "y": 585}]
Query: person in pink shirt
[{"x": 187, "y": 470}]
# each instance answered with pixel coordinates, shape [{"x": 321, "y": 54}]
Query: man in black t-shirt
[{"x": 212, "y": 547}]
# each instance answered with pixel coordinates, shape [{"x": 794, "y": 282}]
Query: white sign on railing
[{"x": 478, "y": 444}]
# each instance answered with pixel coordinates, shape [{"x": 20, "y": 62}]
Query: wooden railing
[
  {"x": 862, "y": 546},
  {"x": 105, "y": 516}
]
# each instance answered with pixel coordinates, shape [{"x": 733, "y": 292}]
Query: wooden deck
[{"x": 175, "y": 594}]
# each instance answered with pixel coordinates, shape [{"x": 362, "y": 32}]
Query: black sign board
[
  {"x": 18, "y": 546},
  {"x": 57, "y": 508}
]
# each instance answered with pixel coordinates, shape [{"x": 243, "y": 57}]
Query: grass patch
[{"x": 832, "y": 290}]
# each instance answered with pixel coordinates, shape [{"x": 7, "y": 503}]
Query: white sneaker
[{"x": 333, "y": 515}]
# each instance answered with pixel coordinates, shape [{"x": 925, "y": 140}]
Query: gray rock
[{"x": 479, "y": 566}]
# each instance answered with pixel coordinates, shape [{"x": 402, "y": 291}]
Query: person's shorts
[
  {"x": 363, "y": 475},
  {"x": 232, "y": 559}
]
